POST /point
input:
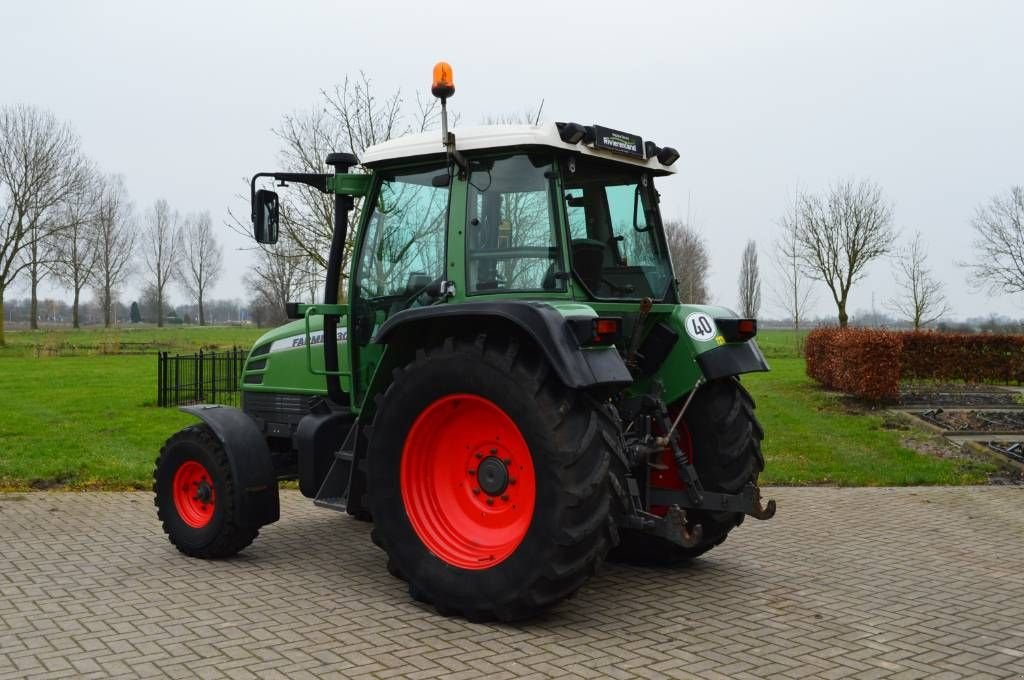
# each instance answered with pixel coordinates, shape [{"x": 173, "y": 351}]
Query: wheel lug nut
[
  {"x": 507, "y": 461},
  {"x": 511, "y": 481},
  {"x": 494, "y": 452},
  {"x": 479, "y": 455},
  {"x": 476, "y": 491},
  {"x": 490, "y": 501},
  {"x": 504, "y": 497},
  {"x": 472, "y": 472}
]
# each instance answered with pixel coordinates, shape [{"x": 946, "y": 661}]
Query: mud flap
[{"x": 256, "y": 494}]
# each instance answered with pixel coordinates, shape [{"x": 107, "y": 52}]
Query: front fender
[{"x": 252, "y": 470}]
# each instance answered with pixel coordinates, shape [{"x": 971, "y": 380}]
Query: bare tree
[
  {"x": 920, "y": 299},
  {"x": 999, "y": 226},
  {"x": 276, "y": 279},
  {"x": 350, "y": 118},
  {"x": 151, "y": 309},
  {"x": 75, "y": 252},
  {"x": 840, "y": 233},
  {"x": 690, "y": 261},
  {"x": 202, "y": 261},
  {"x": 528, "y": 116},
  {"x": 115, "y": 242},
  {"x": 750, "y": 282},
  {"x": 161, "y": 250},
  {"x": 38, "y": 160},
  {"x": 793, "y": 292}
]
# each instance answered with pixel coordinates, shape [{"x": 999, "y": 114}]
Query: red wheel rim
[
  {"x": 459, "y": 504},
  {"x": 193, "y": 494}
]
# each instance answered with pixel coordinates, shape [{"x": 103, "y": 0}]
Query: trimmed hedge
[
  {"x": 869, "y": 363},
  {"x": 858, "y": 361},
  {"x": 963, "y": 356}
]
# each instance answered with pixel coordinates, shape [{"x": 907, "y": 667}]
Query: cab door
[{"x": 399, "y": 261}]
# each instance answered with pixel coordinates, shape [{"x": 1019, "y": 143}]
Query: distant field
[
  {"x": 128, "y": 339},
  {"x": 779, "y": 344},
  {"x": 89, "y": 421}
]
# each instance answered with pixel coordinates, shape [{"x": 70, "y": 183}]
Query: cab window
[
  {"x": 616, "y": 246},
  {"x": 512, "y": 241}
]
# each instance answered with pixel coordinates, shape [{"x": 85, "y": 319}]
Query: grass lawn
[
  {"x": 812, "y": 437},
  {"x": 81, "y": 421},
  {"x": 90, "y": 421}
]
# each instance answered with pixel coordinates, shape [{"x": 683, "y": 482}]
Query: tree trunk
[
  {"x": 2, "y": 340},
  {"x": 34, "y": 313},
  {"x": 844, "y": 320},
  {"x": 159, "y": 308},
  {"x": 202, "y": 316},
  {"x": 106, "y": 307},
  {"x": 74, "y": 310}
]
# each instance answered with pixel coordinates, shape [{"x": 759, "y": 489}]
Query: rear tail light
[
  {"x": 602, "y": 330},
  {"x": 737, "y": 330}
]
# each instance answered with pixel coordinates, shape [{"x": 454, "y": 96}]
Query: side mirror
[
  {"x": 265, "y": 216},
  {"x": 636, "y": 212}
]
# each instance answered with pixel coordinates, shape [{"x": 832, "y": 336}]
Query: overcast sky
[{"x": 759, "y": 97}]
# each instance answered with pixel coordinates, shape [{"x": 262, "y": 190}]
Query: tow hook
[{"x": 759, "y": 511}]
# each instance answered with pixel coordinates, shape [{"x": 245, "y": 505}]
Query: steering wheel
[{"x": 433, "y": 289}]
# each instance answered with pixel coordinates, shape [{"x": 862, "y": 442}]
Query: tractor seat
[{"x": 588, "y": 261}]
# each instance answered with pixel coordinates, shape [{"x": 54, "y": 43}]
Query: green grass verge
[{"x": 90, "y": 421}]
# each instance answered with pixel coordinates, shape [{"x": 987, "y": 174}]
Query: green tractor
[{"x": 509, "y": 388}]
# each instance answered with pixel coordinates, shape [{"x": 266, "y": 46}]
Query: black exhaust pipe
[{"x": 342, "y": 204}]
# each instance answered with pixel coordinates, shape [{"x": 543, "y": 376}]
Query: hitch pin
[{"x": 663, "y": 441}]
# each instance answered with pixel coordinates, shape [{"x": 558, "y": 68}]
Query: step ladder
[{"x": 334, "y": 491}]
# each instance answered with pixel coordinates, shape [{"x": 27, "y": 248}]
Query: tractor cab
[{"x": 526, "y": 213}]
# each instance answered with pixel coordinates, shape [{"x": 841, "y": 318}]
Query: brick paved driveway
[{"x": 866, "y": 583}]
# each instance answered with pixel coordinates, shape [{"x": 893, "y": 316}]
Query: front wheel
[
  {"x": 194, "y": 493},
  {"x": 488, "y": 480}
]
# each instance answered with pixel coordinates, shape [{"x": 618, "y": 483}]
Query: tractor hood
[{"x": 286, "y": 359}]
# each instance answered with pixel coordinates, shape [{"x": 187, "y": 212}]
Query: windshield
[{"x": 617, "y": 247}]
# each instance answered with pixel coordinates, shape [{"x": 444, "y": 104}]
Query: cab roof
[{"x": 494, "y": 137}]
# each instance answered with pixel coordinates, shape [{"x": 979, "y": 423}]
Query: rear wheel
[
  {"x": 488, "y": 480},
  {"x": 195, "y": 496},
  {"x": 723, "y": 438}
]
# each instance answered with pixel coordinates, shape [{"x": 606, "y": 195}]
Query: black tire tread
[
  {"x": 233, "y": 537},
  {"x": 584, "y": 534},
  {"x": 727, "y": 409}
]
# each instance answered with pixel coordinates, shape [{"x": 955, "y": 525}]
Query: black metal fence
[{"x": 201, "y": 378}]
